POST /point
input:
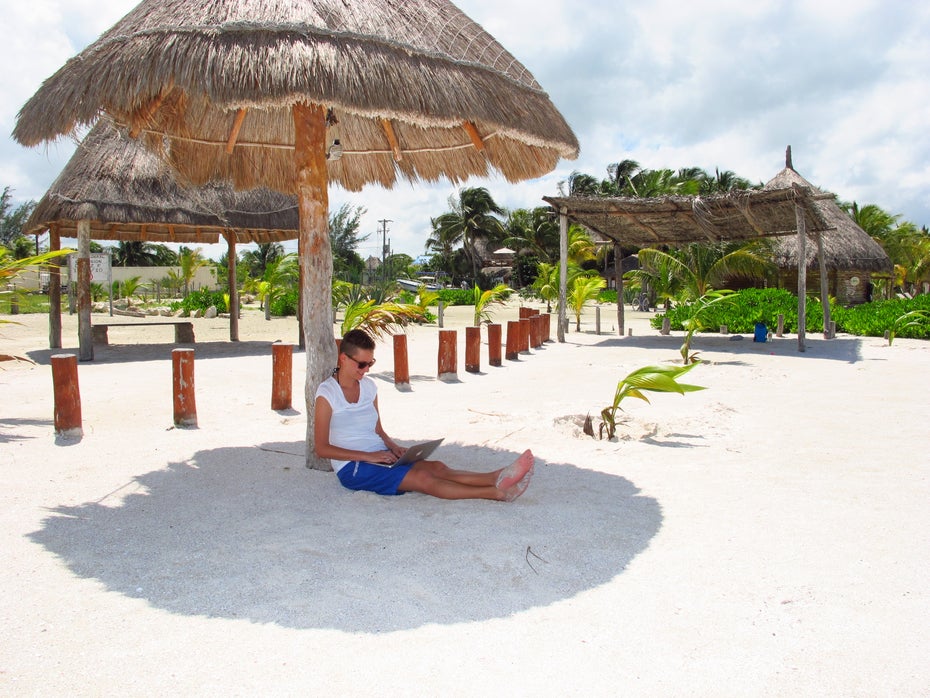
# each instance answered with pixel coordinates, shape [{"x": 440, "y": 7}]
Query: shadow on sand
[
  {"x": 128, "y": 353},
  {"x": 252, "y": 534},
  {"x": 846, "y": 349}
]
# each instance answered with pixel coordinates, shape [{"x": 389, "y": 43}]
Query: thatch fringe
[
  {"x": 129, "y": 193},
  {"x": 421, "y": 64}
]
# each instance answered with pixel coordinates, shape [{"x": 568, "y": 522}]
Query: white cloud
[{"x": 721, "y": 83}]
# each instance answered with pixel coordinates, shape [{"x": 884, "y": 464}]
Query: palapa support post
[
  {"x": 618, "y": 275},
  {"x": 54, "y": 291},
  {"x": 401, "y": 363},
  {"x": 447, "y": 355},
  {"x": 67, "y": 396},
  {"x": 802, "y": 275},
  {"x": 315, "y": 259},
  {"x": 85, "y": 338},
  {"x": 282, "y": 359},
  {"x": 182, "y": 370},
  {"x": 597, "y": 319},
  {"x": 473, "y": 349},
  {"x": 563, "y": 274},
  {"x": 494, "y": 345},
  {"x": 441, "y": 308},
  {"x": 233, "y": 287},
  {"x": 524, "y": 335}
]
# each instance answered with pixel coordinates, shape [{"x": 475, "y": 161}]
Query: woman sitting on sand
[{"x": 347, "y": 430}]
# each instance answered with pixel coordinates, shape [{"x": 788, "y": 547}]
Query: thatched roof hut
[
  {"x": 851, "y": 256},
  {"x": 129, "y": 193},
  {"x": 122, "y": 191}
]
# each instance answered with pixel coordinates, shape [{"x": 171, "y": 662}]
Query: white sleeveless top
[{"x": 353, "y": 423}]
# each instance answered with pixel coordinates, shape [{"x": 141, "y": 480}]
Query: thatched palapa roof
[
  {"x": 846, "y": 246},
  {"x": 677, "y": 220},
  {"x": 129, "y": 193},
  {"x": 416, "y": 89}
]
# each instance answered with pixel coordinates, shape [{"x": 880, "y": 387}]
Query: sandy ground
[{"x": 769, "y": 536}]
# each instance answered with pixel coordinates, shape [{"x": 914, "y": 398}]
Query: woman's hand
[{"x": 386, "y": 457}]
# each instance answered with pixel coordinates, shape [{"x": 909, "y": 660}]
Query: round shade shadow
[{"x": 250, "y": 533}]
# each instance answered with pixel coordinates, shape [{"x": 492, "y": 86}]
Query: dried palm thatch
[
  {"x": 416, "y": 89},
  {"x": 129, "y": 193},
  {"x": 846, "y": 246},
  {"x": 677, "y": 220}
]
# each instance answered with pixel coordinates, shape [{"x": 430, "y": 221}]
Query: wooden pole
[
  {"x": 547, "y": 327},
  {"x": 233, "y": 286},
  {"x": 85, "y": 338},
  {"x": 563, "y": 272},
  {"x": 524, "y": 335},
  {"x": 618, "y": 274},
  {"x": 494, "y": 345},
  {"x": 824, "y": 287},
  {"x": 802, "y": 274},
  {"x": 282, "y": 357},
  {"x": 513, "y": 340},
  {"x": 473, "y": 349},
  {"x": 54, "y": 291},
  {"x": 67, "y": 395},
  {"x": 448, "y": 357},
  {"x": 182, "y": 385},
  {"x": 401, "y": 363},
  {"x": 316, "y": 258}
]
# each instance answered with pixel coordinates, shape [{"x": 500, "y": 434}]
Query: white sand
[{"x": 769, "y": 536}]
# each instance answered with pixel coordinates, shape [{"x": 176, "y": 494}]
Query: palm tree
[
  {"x": 257, "y": 260},
  {"x": 135, "y": 253},
  {"x": 472, "y": 218},
  {"x": 190, "y": 261},
  {"x": 583, "y": 289},
  {"x": 281, "y": 275},
  {"x": 699, "y": 268},
  {"x": 485, "y": 299},
  {"x": 535, "y": 230}
]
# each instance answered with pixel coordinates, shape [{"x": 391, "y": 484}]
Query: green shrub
[
  {"x": 285, "y": 303},
  {"x": 875, "y": 318},
  {"x": 457, "y": 296},
  {"x": 201, "y": 300},
  {"x": 607, "y": 295},
  {"x": 743, "y": 310}
]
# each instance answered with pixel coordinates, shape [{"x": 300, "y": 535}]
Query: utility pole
[{"x": 384, "y": 247}]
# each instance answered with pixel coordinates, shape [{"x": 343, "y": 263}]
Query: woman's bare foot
[
  {"x": 519, "y": 487},
  {"x": 514, "y": 472}
]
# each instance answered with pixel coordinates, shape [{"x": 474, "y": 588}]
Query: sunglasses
[{"x": 362, "y": 365}]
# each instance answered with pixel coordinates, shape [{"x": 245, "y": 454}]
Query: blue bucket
[{"x": 761, "y": 333}]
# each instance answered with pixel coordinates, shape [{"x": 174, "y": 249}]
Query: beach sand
[{"x": 768, "y": 536}]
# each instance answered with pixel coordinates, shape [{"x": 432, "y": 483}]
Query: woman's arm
[
  {"x": 398, "y": 451},
  {"x": 322, "y": 416}
]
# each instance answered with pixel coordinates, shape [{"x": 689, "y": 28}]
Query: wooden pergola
[{"x": 679, "y": 220}]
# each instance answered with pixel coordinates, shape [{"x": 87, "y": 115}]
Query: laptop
[{"x": 417, "y": 452}]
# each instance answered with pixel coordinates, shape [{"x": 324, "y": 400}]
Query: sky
[{"x": 722, "y": 84}]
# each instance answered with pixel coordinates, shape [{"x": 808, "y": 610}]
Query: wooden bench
[{"x": 183, "y": 331}]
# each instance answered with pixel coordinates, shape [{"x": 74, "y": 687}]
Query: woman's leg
[{"x": 439, "y": 480}]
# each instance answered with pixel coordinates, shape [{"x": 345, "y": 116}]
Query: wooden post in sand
[
  {"x": 401, "y": 363},
  {"x": 67, "y": 395},
  {"x": 182, "y": 368},
  {"x": 525, "y": 335},
  {"x": 494, "y": 345},
  {"x": 513, "y": 340},
  {"x": 473, "y": 349},
  {"x": 282, "y": 359},
  {"x": 447, "y": 355}
]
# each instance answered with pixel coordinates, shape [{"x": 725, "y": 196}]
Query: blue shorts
[{"x": 359, "y": 475}]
